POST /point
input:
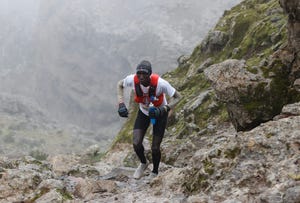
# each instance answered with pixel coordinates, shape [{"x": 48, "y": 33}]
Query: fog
[
  {"x": 20, "y": 7},
  {"x": 64, "y": 57}
]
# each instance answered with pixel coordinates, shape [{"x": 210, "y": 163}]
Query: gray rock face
[
  {"x": 214, "y": 42},
  {"x": 229, "y": 75},
  {"x": 292, "y": 8},
  {"x": 238, "y": 88},
  {"x": 253, "y": 97},
  {"x": 292, "y": 194},
  {"x": 250, "y": 97}
]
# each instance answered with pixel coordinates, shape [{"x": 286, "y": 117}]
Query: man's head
[
  {"x": 143, "y": 71},
  {"x": 144, "y": 67}
]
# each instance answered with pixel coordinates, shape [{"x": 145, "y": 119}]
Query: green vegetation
[
  {"x": 92, "y": 158},
  {"x": 295, "y": 177},
  {"x": 253, "y": 29},
  {"x": 208, "y": 166},
  {"x": 65, "y": 194},
  {"x": 38, "y": 155},
  {"x": 269, "y": 135},
  {"x": 232, "y": 153},
  {"x": 195, "y": 181},
  {"x": 41, "y": 193}
]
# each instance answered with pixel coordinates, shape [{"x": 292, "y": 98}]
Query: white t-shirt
[{"x": 163, "y": 87}]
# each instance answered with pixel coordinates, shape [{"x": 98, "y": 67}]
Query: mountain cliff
[
  {"x": 67, "y": 56},
  {"x": 234, "y": 137}
]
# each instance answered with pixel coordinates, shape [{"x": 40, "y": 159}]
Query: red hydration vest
[{"x": 141, "y": 98}]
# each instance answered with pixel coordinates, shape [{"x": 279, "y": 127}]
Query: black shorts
[{"x": 142, "y": 122}]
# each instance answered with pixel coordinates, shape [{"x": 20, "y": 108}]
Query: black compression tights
[
  {"x": 138, "y": 136},
  {"x": 156, "y": 154}
]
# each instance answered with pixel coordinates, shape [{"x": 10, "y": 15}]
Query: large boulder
[{"x": 249, "y": 97}]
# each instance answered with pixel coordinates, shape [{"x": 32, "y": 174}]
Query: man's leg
[
  {"x": 156, "y": 154},
  {"x": 140, "y": 127},
  {"x": 138, "y": 136},
  {"x": 158, "y": 134}
]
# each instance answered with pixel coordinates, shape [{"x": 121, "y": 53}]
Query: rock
[
  {"x": 233, "y": 83},
  {"x": 52, "y": 196},
  {"x": 292, "y": 109},
  {"x": 51, "y": 184},
  {"x": 197, "y": 101},
  {"x": 292, "y": 194},
  {"x": 62, "y": 163},
  {"x": 92, "y": 150},
  {"x": 289, "y": 110},
  {"x": 297, "y": 85},
  {"x": 183, "y": 60},
  {"x": 292, "y": 9},
  {"x": 215, "y": 41},
  {"x": 204, "y": 65},
  {"x": 120, "y": 174},
  {"x": 85, "y": 187},
  {"x": 271, "y": 196},
  {"x": 168, "y": 181},
  {"x": 197, "y": 199}
]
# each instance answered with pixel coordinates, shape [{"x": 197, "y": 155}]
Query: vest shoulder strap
[
  {"x": 137, "y": 87},
  {"x": 152, "y": 88},
  {"x": 153, "y": 85},
  {"x": 154, "y": 79}
]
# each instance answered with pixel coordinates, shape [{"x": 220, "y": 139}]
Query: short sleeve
[
  {"x": 128, "y": 81},
  {"x": 164, "y": 86}
]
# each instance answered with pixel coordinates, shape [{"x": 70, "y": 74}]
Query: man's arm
[
  {"x": 174, "y": 99},
  {"x": 166, "y": 108},
  {"x": 123, "y": 111},
  {"x": 120, "y": 91}
]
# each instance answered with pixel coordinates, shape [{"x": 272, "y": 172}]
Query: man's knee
[
  {"x": 155, "y": 149},
  {"x": 137, "y": 137},
  {"x": 136, "y": 144}
]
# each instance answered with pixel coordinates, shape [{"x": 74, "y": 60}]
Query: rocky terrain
[
  {"x": 234, "y": 137},
  {"x": 261, "y": 165}
]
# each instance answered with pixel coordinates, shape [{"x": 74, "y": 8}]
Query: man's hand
[
  {"x": 159, "y": 111},
  {"x": 123, "y": 112}
]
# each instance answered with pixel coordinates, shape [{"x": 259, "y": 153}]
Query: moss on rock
[{"x": 195, "y": 181}]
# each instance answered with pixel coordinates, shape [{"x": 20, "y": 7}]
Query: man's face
[{"x": 144, "y": 78}]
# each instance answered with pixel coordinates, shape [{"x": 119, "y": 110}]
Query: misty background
[{"x": 60, "y": 61}]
